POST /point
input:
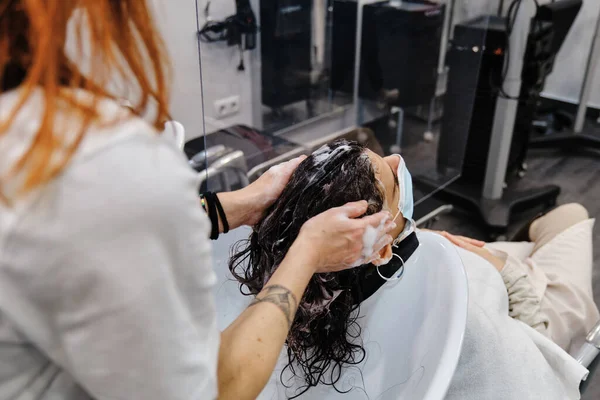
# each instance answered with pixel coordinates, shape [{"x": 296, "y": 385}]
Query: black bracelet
[
  {"x": 221, "y": 213},
  {"x": 212, "y": 214}
]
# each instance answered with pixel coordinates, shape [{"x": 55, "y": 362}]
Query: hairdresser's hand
[
  {"x": 248, "y": 205},
  {"x": 263, "y": 192},
  {"x": 475, "y": 246},
  {"x": 337, "y": 239}
]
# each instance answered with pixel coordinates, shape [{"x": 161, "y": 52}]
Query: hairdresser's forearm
[
  {"x": 251, "y": 345},
  {"x": 239, "y": 207}
]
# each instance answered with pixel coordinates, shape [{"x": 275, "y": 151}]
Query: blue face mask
[
  {"x": 405, "y": 206},
  {"x": 405, "y": 202}
]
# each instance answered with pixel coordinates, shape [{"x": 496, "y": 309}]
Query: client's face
[{"x": 385, "y": 172}]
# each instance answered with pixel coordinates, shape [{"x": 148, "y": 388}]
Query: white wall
[
  {"x": 177, "y": 20},
  {"x": 219, "y": 69},
  {"x": 566, "y": 80}
]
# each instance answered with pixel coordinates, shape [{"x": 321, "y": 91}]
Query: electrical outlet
[{"x": 227, "y": 107}]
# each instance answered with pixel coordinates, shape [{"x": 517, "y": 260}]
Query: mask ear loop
[{"x": 396, "y": 278}]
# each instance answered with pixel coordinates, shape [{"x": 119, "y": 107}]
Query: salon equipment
[
  {"x": 243, "y": 151},
  {"x": 245, "y": 25},
  {"x": 399, "y": 58},
  {"x": 548, "y": 31},
  {"x": 412, "y": 355},
  {"x": 490, "y": 64},
  {"x": 430, "y": 211},
  {"x": 225, "y": 173},
  {"x": 561, "y": 15},
  {"x": 470, "y": 116},
  {"x": 201, "y": 160},
  {"x": 343, "y": 45},
  {"x": 232, "y": 29},
  {"x": 475, "y": 62},
  {"x": 285, "y": 37},
  {"x": 238, "y": 29}
]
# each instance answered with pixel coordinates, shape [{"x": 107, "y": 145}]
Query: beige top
[
  {"x": 523, "y": 298},
  {"x": 550, "y": 290}
]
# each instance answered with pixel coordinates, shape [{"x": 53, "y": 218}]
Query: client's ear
[{"x": 385, "y": 255}]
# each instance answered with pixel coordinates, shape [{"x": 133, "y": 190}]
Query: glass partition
[
  {"x": 294, "y": 63},
  {"x": 414, "y": 77},
  {"x": 281, "y": 78},
  {"x": 396, "y": 76}
]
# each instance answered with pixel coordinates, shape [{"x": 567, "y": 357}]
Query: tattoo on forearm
[{"x": 282, "y": 297}]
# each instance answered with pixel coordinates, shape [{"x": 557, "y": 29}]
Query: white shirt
[{"x": 105, "y": 273}]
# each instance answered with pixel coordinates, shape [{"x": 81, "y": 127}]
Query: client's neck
[{"x": 400, "y": 223}]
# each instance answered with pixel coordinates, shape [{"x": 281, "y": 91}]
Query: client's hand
[
  {"x": 337, "y": 239},
  {"x": 474, "y": 246}
]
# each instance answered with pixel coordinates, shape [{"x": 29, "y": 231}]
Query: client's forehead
[
  {"x": 378, "y": 163},
  {"x": 384, "y": 175}
]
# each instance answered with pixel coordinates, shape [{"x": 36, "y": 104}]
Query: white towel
[{"x": 503, "y": 358}]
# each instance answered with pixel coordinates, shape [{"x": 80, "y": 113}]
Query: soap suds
[
  {"x": 322, "y": 155},
  {"x": 369, "y": 240},
  {"x": 276, "y": 244}
]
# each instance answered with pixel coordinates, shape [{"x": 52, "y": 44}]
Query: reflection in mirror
[
  {"x": 295, "y": 61},
  {"x": 429, "y": 84},
  {"x": 318, "y": 70}
]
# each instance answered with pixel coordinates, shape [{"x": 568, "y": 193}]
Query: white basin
[{"x": 412, "y": 328}]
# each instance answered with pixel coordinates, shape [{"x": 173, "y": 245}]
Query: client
[
  {"x": 323, "y": 335},
  {"x": 502, "y": 357}
]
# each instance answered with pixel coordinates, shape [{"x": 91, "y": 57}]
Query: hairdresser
[{"x": 105, "y": 272}]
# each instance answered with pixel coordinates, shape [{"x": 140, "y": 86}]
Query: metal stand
[
  {"x": 495, "y": 213},
  {"x": 433, "y": 216},
  {"x": 497, "y": 202},
  {"x": 576, "y": 139},
  {"x": 566, "y": 141}
]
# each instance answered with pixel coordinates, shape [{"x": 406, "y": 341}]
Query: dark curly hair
[{"x": 324, "y": 335}]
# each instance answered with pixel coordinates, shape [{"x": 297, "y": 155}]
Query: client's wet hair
[{"x": 324, "y": 335}]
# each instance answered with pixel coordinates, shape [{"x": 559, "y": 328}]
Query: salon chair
[
  {"x": 589, "y": 355},
  {"x": 412, "y": 329}
]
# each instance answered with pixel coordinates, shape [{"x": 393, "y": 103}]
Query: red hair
[{"x": 33, "y": 33}]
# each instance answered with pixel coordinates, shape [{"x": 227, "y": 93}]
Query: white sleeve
[{"x": 120, "y": 288}]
